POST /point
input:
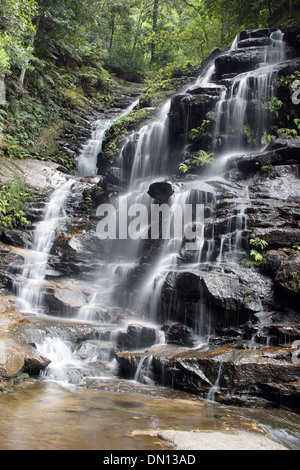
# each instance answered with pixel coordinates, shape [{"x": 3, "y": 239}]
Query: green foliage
[
  {"x": 274, "y": 105},
  {"x": 296, "y": 247},
  {"x": 135, "y": 116},
  {"x": 71, "y": 50},
  {"x": 260, "y": 246},
  {"x": 199, "y": 131},
  {"x": 259, "y": 242},
  {"x": 13, "y": 196},
  {"x": 66, "y": 160},
  {"x": 250, "y": 135},
  {"x": 201, "y": 159},
  {"x": 267, "y": 138},
  {"x": 256, "y": 255},
  {"x": 294, "y": 280}
]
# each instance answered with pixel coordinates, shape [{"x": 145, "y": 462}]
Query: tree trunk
[
  {"x": 23, "y": 71},
  {"x": 2, "y": 90},
  {"x": 112, "y": 32},
  {"x": 225, "y": 26},
  {"x": 154, "y": 30}
]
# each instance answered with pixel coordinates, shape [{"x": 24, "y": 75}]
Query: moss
[
  {"x": 13, "y": 197},
  {"x": 118, "y": 132},
  {"x": 46, "y": 143},
  {"x": 156, "y": 92},
  {"x": 64, "y": 159},
  {"x": 127, "y": 123}
]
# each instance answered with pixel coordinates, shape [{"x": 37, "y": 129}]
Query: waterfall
[
  {"x": 212, "y": 392},
  {"x": 242, "y": 111},
  {"x": 29, "y": 286},
  {"x": 87, "y": 159},
  {"x": 145, "y": 159}
]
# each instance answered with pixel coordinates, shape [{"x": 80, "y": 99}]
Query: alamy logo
[
  {"x": 296, "y": 93},
  {"x": 159, "y": 221}
]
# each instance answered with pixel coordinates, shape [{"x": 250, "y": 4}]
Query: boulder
[
  {"x": 211, "y": 301},
  {"x": 253, "y": 42},
  {"x": 136, "y": 337},
  {"x": 187, "y": 112},
  {"x": 278, "y": 237},
  {"x": 180, "y": 334},
  {"x": 12, "y": 359},
  {"x": 238, "y": 61},
  {"x": 161, "y": 191},
  {"x": 64, "y": 300},
  {"x": 288, "y": 276},
  {"x": 289, "y": 155},
  {"x": 256, "y": 33},
  {"x": 16, "y": 358}
]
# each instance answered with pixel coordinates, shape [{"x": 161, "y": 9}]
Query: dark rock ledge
[{"x": 240, "y": 373}]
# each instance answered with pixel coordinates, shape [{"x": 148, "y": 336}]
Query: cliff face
[{"x": 239, "y": 292}]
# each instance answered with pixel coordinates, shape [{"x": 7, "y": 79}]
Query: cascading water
[
  {"x": 29, "y": 286},
  {"x": 87, "y": 159},
  {"x": 77, "y": 356},
  {"x": 242, "y": 111},
  {"x": 149, "y": 163}
]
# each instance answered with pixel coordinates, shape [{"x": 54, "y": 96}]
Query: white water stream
[{"x": 87, "y": 159}]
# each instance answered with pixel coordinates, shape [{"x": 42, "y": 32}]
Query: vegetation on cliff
[{"x": 60, "y": 59}]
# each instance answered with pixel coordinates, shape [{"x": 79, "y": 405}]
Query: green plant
[
  {"x": 13, "y": 196},
  {"x": 199, "y": 131},
  {"x": 201, "y": 159},
  {"x": 250, "y": 135},
  {"x": 260, "y": 245},
  {"x": 266, "y": 167},
  {"x": 294, "y": 280},
  {"x": 256, "y": 255},
  {"x": 66, "y": 160},
  {"x": 296, "y": 247},
  {"x": 183, "y": 167},
  {"x": 287, "y": 133},
  {"x": 267, "y": 138},
  {"x": 274, "y": 105},
  {"x": 259, "y": 242}
]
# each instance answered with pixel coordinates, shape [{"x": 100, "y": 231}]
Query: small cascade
[
  {"x": 87, "y": 159},
  {"x": 150, "y": 151},
  {"x": 214, "y": 389},
  {"x": 242, "y": 111},
  {"x": 29, "y": 286},
  {"x": 63, "y": 360},
  {"x": 143, "y": 370},
  {"x": 231, "y": 242}
]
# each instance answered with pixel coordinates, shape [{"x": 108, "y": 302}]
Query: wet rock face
[
  {"x": 238, "y": 61},
  {"x": 136, "y": 337},
  {"x": 236, "y": 373},
  {"x": 179, "y": 334},
  {"x": 188, "y": 112},
  {"x": 288, "y": 155},
  {"x": 16, "y": 358},
  {"x": 226, "y": 298}
]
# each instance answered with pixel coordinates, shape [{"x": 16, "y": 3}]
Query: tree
[{"x": 16, "y": 29}]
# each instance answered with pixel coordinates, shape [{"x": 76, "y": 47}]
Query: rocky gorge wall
[{"x": 247, "y": 309}]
